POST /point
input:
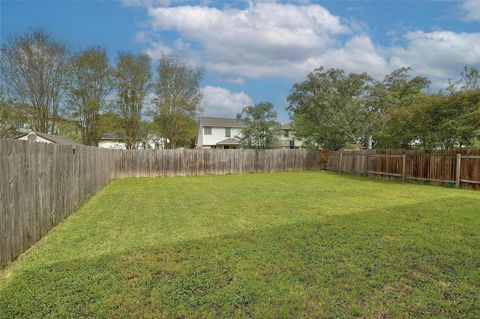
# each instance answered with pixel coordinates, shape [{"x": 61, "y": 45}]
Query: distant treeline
[
  {"x": 335, "y": 110},
  {"x": 48, "y": 88}
]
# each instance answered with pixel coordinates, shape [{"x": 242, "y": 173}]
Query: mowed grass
[{"x": 283, "y": 245}]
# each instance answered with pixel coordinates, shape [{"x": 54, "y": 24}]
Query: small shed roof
[{"x": 52, "y": 138}]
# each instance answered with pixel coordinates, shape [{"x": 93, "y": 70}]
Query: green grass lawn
[{"x": 283, "y": 245}]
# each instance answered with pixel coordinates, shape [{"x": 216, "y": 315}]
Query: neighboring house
[
  {"x": 287, "y": 139},
  {"x": 223, "y": 133},
  {"x": 117, "y": 140},
  {"x": 217, "y": 132},
  {"x": 152, "y": 142},
  {"x": 46, "y": 138}
]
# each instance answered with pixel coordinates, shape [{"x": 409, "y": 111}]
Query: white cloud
[
  {"x": 440, "y": 55},
  {"x": 141, "y": 37},
  {"x": 145, "y": 3},
  {"x": 273, "y": 40},
  {"x": 358, "y": 54},
  {"x": 221, "y": 102},
  {"x": 157, "y": 49},
  {"x": 179, "y": 48},
  {"x": 471, "y": 10},
  {"x": 263, "y": 40}
]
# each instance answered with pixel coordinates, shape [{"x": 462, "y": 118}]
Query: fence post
[
  {"x": 458, "y": 170},
  {"x": 404, "y": 165},
  {"x": 340, "y": 161},
  {"x": 366, "y": 162}
]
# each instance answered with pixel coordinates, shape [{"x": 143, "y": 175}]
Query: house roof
[
  {"x": 52, "y": 138},
  {"x": 229, "y": 122},
  {"x": 220, "y": 122},
  {"x": 229, "y": 141},
  {"x": 112, "y": 135}
]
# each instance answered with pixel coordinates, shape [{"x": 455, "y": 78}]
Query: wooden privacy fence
[
  {"x": 41, "y": 184},
  {"x": 187, "y": 162},
  {"x": 456, "y": 167}
]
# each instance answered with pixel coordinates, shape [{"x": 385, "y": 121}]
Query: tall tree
[
  {"x": 333, "y": 109},
  {"x": 392, "y": 103},
  {"x": 446, "y": 122},
  {"x": 110, "y": 121},
  {"x": 33, "y": 67},
  {"x": 89, "y": 83},
  {"x": 262, "y": 127},
  {"x": 132, "y": 81},
  {"x": 411, "y": 118},
  {"x": 469, "y": 80},
  {"x": 10, "y": 122},
  {"x": 178, "y": 99}
]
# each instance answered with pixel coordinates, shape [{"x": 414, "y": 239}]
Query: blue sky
[{"x": 254, "y": 51}]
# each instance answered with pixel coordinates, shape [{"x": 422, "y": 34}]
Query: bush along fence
[
  {"x": 41, "y": 184},
  {"x": 460, "y": 168}
]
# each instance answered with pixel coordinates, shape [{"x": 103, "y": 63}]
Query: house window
[
  {"x": 207, "y": 130},
  {"x": 286, "y": 133},
  {"x": 227, "y": 132}
]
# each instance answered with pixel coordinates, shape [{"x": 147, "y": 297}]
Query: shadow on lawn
[{"x": 405, "y": 261}]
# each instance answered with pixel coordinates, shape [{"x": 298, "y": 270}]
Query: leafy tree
[
  {"x": 33, "y": 67},
  {"x": 178, "y": 98},
  {"x": 89, "y": 83},
  {"x": 262, "y": 127},
  {"x": 10, "y": 123},
  {"x": 392, "y": 100},
  {"x": 467, "y": 111},
  {"x": 437, "y": 122},
  {"x": 433, "y": 121},
  {"x": 132, "y": 78},
  {"x": 110, "y": 121},
  {"x": 469, "y": 80},
  {"x": 333, "y": 109},
  {"x": 68, "y": 128},
  {"x": 449, "y": 121},
  {"x": 178, "y": 129}
]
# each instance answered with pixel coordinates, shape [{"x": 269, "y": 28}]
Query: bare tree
[
  {"x": 178, "y": 100},
  {"x": 33, "y": 68},
  {"x": 89, "y": 83},
  {"x": 132, "y": 80}
]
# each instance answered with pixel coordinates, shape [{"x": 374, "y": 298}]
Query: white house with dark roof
[
  {"x": 217, "y": 132},
  {"x": 288, "y": 139},
  {"x": 223, "y": 133},
  {"x": 117, "y": 140}
]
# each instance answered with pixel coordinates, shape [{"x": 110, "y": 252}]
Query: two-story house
[
  {"x": 288, "y": 139},
  {"x": 215, "y": 132}
]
